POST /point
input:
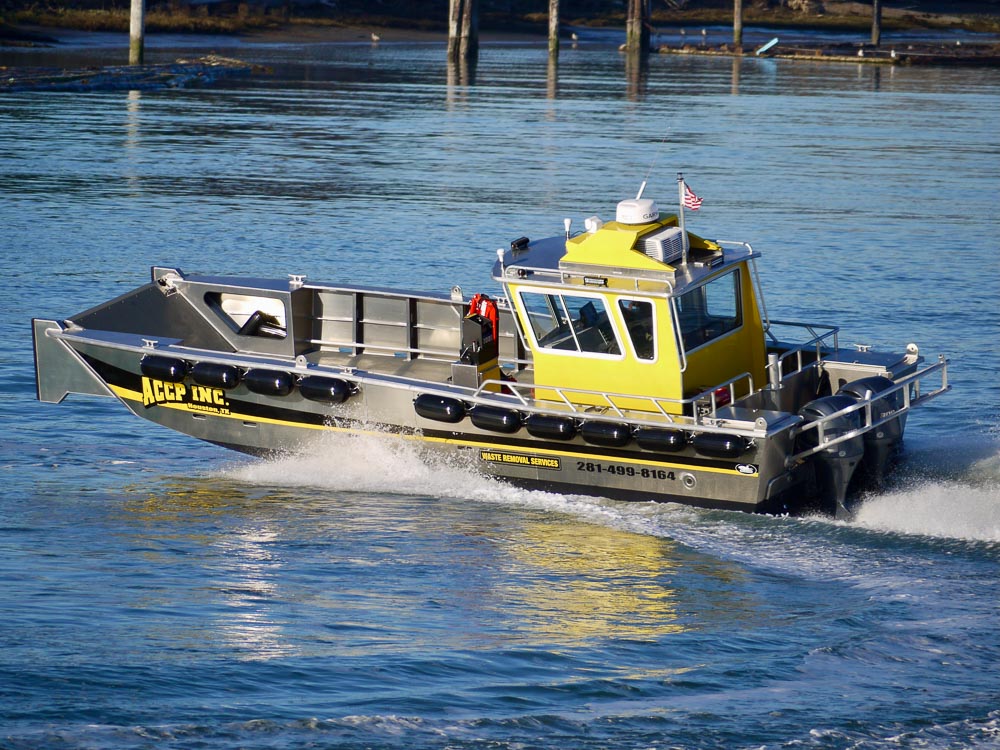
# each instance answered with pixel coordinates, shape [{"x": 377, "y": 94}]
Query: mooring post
[
  {"x": 876, "y": 22},
  {"x": 637, "y": 27},
  {"x": 738, "y": 25},
  {"x": 470, "y": 30},
  {"x": 463, "y": 30},
  {"x": 553, "y": 28},
  {"x": 454, "y": 19},
  {"x": 136, "y": 32}
]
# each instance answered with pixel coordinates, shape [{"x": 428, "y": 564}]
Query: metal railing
[
  {"x": 537, "y": 276},
  {"x": 815, "y": 343},
  {"x": 522, "y": 396},
  {"x": 908, "y": 386}
]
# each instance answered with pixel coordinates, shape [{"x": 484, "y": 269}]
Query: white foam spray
[
  {"x": 386, "y": 465},
  {"x": 952, "y": 494},
  {"x": 945, "y": 510},
  {"x": 964, "y": 508}
]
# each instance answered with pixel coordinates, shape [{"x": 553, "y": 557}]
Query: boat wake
[
  {"x": 934, "y": 500},
  {"x": 952, "y": 494},
  {"x": 945, "y": 510},
  {"x": 367, "y": 463}
]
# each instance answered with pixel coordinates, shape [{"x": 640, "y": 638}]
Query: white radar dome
[{"x": 637, "y": 211}]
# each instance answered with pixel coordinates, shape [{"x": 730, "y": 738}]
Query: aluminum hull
[{"x": 746, "y": 456}]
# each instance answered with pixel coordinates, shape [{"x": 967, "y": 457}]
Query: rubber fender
[
  {"x": 496, "y": 419},
  {"x": 550, "y": 427},
  {"x": 163, "y": 368},
  {"x": 269, "y": 382},
  {"x": 609, "y": 434},
  {"x": 439, "y": 408},
  {"x": 215, "y": 375},
  {"x": 324, "y": 390},
  {"x": 719, "y": 446},
  {"x": 658, "y": 439}
]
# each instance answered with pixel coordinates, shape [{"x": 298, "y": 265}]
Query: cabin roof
[{"x": 613, "y": 252}]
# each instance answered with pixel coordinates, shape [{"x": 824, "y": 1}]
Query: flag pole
[{"x": 680, "y": 218}]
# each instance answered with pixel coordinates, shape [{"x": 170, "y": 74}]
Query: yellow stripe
[
  {"x": 585, "y": 456},
  {"x": 130, "y": 395}
]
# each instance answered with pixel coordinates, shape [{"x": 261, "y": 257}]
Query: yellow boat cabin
[{"x": 639, "y": 311}]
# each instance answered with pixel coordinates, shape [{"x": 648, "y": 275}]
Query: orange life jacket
[{"x": 482, "y": 304}]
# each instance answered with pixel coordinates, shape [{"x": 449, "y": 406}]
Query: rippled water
[{"x": 158, "y": 592}]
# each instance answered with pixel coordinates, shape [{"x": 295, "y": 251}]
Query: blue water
[{"x": 156, "y": 592}]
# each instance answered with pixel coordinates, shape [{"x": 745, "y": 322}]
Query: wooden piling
[
  {"x": 738, "y": 24},
  {"x": 876, "y": 22},
  {"x": 553, "y": 28},
  {"x": 463, "y": 30},
  {"x": 637, "y": 27},
  {"x": 454, "y": 19},
  {"x": 137, "y": 32}
]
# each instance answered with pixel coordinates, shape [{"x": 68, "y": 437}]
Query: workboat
[{"x": 631, "y": 360}]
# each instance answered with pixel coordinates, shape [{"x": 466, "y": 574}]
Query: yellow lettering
[
  {"x": 158, "y": 391},
  {"x": 148, "y": 399},
  {"x": 218, "y": 397}
]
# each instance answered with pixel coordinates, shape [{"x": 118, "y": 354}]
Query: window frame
[
  {"x": 561, "y": 313},
  {"x": 704, "y": 313},
  {"x": 653, "y": 327}
]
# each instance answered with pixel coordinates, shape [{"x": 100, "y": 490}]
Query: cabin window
[
  {"x": 248, "y": 315},
  {"x": 570, "y": 323},
  {"x": 638, "y": 316},
  {"x": 710, "y": 311}
]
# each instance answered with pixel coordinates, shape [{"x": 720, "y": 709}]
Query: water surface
[{"x": 159, "y": 592}]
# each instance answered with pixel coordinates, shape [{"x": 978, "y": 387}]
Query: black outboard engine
[
  {"x": 881, "y": 443},
  {"x": 836, "y": 464}
]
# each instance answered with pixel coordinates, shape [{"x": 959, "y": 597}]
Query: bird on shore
[
  {"x": 376, "y": 38},
  {"x": 574, "y": 37}
]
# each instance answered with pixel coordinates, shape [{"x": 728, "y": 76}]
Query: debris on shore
[
  {"x": 916, "y": 53},
  {"x": 180, "y": 73}
]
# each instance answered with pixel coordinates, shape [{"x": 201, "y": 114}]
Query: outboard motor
[
  {"x": 881, "y": 443},
  {"x": 836, "y": 464}
]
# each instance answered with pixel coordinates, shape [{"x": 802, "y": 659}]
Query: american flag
[{"x": 691, "y": 201}]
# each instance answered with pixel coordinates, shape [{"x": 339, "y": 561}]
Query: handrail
[
  {"x": 797, "y": 349},
  {"x": 560, "y": 278},
  {"x": 446, "y": 355},
  {"x": 675, "y": 324},
  {"x": 765, "y": 318},
  {"x": 910, "y": 399},
  {"x": 611, "y": 400}
]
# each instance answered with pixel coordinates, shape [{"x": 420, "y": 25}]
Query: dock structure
[{"x": 904, "y": 54}]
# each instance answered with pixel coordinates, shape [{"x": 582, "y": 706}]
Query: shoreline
[
  {"x": 830, "y": 42},
  {"x": 40, "y": 29}
]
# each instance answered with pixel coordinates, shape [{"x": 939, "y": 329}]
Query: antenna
[{"x": 656, "y": 157}]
